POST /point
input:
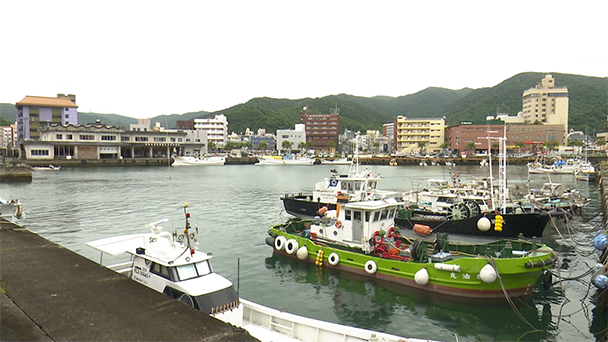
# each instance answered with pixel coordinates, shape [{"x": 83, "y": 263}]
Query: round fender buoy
[
  {"x": 279, "y": 243},
  {"x": 600, "y": 241},
  {"x": 371, "y": 267},
  {"x": 291, "y": 246},
  {"x": 422, "y": 277},
  {"x": 484, "y": 224},
  {"x": 488, "y": 274},
  {"x": 333, "y": 259},
  {"x": 302, "y": 253}
]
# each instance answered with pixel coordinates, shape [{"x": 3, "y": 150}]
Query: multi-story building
[
  {"x": 293, "y": 136},
  {"x": 321, "y": 129},
  {"x": 411, "y": 133},
  {"x": 33, "y": 110},
  {"x": 7, "y": 134},
  {"x": 546, "y": 104},
  {"x": 388, "y": 132},
  {"x": 462, "y": 137},
  {"x": 216, "y": 128},
  {"x": 534, "y": 135}
]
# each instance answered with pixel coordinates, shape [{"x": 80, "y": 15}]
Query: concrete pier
[{"x": 50, "y": 293}]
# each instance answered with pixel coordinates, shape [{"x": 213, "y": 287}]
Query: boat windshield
[{"x": 190, "y": 271}]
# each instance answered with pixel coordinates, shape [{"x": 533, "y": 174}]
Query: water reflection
[{"x": 374, "y": 305}]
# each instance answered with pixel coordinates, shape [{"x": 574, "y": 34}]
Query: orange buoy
[{"x": 422, "y": 229}]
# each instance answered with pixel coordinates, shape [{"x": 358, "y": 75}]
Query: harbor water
[{"x": 235, "y": 205}]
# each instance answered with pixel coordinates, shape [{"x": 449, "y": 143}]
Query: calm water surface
[{"x": 234, "y": 206}]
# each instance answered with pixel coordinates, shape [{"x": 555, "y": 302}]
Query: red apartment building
[{"x": 321, "y": 129}]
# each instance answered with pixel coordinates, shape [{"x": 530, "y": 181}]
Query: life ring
[
  {"x": 333, "y": 259},
  {"x": 338, "y": 224},
  {"x": 371, "y": 267},
  {"x": 279, "y": 243},
  {"x": 291, "y": 246}
]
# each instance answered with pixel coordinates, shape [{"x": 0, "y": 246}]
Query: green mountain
[{"x": 587, "y": 112}]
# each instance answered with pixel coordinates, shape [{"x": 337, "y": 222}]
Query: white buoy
[
  {"x": 488, "y": 274},
  {"x": 302, "y": 253},
  {"x": 422, "y": 277},
  {"x": 333, "y": 259},
  {"x": 484, "y": 224}
]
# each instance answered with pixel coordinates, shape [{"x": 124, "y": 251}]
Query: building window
[
  {"x": 160, "y": 139},
  {"x": 68, "y": 137},
  {"x": 108, "y": 138},
  {"x": 86, "y": 137},
  {"x": 59, "y": 136},
  {"x": 40, "y": 152},
  {"x": 141, "y": 139},
  {"x": 125, "y": 138}
]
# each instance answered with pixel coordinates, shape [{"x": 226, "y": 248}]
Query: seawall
[{"x": 50, "y": 293}]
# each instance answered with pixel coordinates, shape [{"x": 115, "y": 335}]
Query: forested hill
[{"x": 588, "y": 106}]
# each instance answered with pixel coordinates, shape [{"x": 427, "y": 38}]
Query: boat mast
[{"x": 354, "y": 165}]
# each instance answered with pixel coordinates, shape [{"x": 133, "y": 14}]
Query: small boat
[
  {"x": 171, "y": 263},
  {"x": 338, "y": 161},
  {"x": 287, "y": 159},
  {"x": 46, "y": 168},
  {"x": 361, "y": 238},
  {"x": 11, "y": 210},
  {"x": 192, "y": 160},
  {"x": 352, "y": 187}
]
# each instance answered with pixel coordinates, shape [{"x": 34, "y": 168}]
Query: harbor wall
[{"x": 49, "y": 293}]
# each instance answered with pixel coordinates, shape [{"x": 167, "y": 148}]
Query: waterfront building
[
  {"x": 216, "y": 128},
  {"x": 411, "y": 133},
  {"x": 459, "y": 137},
  {"x": 33, "y": 110},
  {"x": 321, "y": 129},
  {"x": 97, "y": 141},
  {"x": 546, "y": 104},
  {"x": 535, "y": 135},
  {"x": 293, "y": 136}
]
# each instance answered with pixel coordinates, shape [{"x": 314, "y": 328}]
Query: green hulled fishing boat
[{"x": 361, "y": 238}]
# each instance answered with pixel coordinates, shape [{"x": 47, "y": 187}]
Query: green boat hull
[{"x": 516, "y": 276}]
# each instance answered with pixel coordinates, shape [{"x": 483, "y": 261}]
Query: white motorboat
[
  {"x": 46, "y": 168},
  {"x": 287, "y": 159},
  {"x": 11, "y": 210},
  {"x": 191, "y": 160},
  {"x": 338, "y": 161},
  {"x": 171, "y": 263}
]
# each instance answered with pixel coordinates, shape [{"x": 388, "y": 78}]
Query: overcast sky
[{"x": 146, "y": 58}]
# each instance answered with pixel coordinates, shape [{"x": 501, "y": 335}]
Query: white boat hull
[{"x": 191, "y": 161}]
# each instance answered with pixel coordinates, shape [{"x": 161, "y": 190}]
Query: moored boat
[
  {"x": 11, "y": 210},
  {"x": 193, "y": 160},
  {"x": 171, "y": 263},
  {"x": 51, "y": 167},
  {"x": 360, "y": 238},
  {"x": 287, "y": 159}
]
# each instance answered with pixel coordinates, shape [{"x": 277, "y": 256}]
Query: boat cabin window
[
  {"x": 384, "y": 214},
  {"x": 391, "y": 213},
  {"x": 190, "y": 271},
  {"x": 376, "y": 216},
  {"x": 367, "y": 216},
  {"x": 161, "y": 270},
  {"x": 347, "y": 215},
  {"x": 357, "y": 216}
]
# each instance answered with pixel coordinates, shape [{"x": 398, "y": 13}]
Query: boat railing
[{"x": 122, "y": 268}]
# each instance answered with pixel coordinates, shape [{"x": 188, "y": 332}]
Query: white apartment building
[
  {"x": 410, "y": 132},
  {"x": 546, "y": 104},
  {"x": 294, "y": 136},
  {"x": 216, "y": 128}
]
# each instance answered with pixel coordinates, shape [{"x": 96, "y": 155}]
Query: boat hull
[
  {"x": 304, "y": 206},
  {"x": 516, "y": 280},
  {"x": 527, "y": 224}
]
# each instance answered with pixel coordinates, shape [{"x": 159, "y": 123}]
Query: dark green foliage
[{"x": 588, "y": 107}]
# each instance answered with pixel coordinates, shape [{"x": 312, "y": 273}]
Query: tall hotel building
[
  {"x": 35, "y": 109},
  {"x": 546, "y": 104}
]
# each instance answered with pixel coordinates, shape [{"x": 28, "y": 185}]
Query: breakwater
[{"x": 50, "y": 293}]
